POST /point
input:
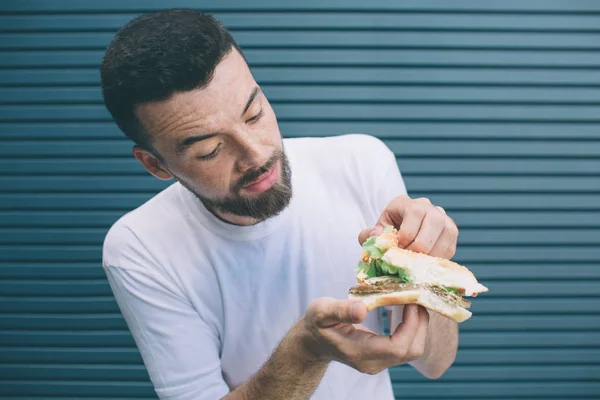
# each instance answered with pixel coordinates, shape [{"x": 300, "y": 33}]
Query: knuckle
[
  {"x": 439, "y": 220},
  {"x": 418, "y": 350},
  {"x": 402, "y": 198},
  {"x": 407, "y": 236},
  {"x": 418, "y": 210},
  {"x": 420, "y": 246},
  {"x": 451, "y": 227},
  {"x": 424, "y": 200},
  {"x": 316, "y": 311},
  {"x": 450, "y": 252},
  {"x": 400, "y": 353}
]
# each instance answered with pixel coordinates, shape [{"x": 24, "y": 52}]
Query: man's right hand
[{"x": 332, "y": 333}]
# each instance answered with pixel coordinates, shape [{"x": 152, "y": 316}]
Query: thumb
[
  {"x": 367, "y": 233},
  {"x": 326, "y": 312}
]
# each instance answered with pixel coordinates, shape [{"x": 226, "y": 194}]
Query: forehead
[{"x": 224, "y": 97}]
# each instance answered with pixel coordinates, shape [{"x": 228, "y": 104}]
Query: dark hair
[{"x": 156, "y": 55}]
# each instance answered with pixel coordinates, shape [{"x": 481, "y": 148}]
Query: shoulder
[
  {"x": 349, "y": 151},
  {"x": 350, "y": 143},
  {"x": 130, "y": 241}
]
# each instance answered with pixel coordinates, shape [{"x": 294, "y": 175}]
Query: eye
[
  {"x": 256, "y": 117},
  {"x": 212, "y": 154}
]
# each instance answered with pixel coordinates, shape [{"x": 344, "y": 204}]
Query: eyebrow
[
  {"x": 182, "y": 146},
  {"x": 250, "y": 99}
]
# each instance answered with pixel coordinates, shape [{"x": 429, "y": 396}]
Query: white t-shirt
[{"x": 207, "y": 302}]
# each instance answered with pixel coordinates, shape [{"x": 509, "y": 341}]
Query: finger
[
  {"x": 367, "y": 233},
  {"x": 417, "y": 347},
  {"x": 409, "y": 229},
  {"x": 326, "y": 312},
  {"x": 394, "y": 212},
  {"x": 446, "y": 244},
  {"x": 431, "y": 228},
  {"x": 406, "y": 331}
]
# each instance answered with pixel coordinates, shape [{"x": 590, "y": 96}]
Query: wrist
[{"x": 305, "y": 345}]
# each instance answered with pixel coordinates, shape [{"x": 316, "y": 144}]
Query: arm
[
  {"x": 180, "y": 342},
  {"x": 328, "y": 332},
  {"x": 290, "y": 373}
]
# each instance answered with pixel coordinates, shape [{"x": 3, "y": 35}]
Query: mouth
[{"x": 265, "y": 182}]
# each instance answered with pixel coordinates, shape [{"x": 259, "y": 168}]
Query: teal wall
[{"x": 493, "y": 109}]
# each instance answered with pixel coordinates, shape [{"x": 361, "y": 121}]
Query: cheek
[
  {"x": 208, "y": 179},
  {"x": 270, "y": 126}
]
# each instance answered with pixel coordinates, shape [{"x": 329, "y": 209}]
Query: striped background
[{"x": 493, "y": 109}]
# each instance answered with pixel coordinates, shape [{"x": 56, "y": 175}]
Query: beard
[{"x": 265, "y": 205}]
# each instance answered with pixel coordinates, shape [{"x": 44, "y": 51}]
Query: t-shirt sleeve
[{"x": 179, "y": 349}]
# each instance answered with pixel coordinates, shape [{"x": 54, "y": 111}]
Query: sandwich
[{"x": 388, "y": 275}]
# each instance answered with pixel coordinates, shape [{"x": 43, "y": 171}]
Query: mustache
[{"x": 252, "y": 175}]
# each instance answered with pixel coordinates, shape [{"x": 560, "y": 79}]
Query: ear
[{"x": 151, "y": 163}]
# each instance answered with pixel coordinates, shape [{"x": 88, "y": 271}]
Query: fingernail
[{"x": 376, "y": 231}]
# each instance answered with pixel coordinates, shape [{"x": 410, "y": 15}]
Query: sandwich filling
[
  {"x": 382, "y": 271},
  {"x": 382, "y": 287}
]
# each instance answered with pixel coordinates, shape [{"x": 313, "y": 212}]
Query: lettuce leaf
[
  {"x": 451, "y": 290},
  {"x": 369, "y": 246},
  {"x": 387, "y": 269},
  {"x": 368, "y": 269}
]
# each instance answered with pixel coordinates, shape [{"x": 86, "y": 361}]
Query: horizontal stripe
[
  {"x": 464, "y": 219},
  {"x": 387, "y": 130},
  {"x": 489, "y": 271},
  {"x": 487, "y": 323},
  {"x": 465, "y": 253},
  {"x": 480, "y": 306},
  {"x": 389, "y": 112},
  {"x": 454, "y": 374},
  {"x": 431, "y": 184},
  {"x": 326, "y": 93},
  {"x": 478, "y": 323},
  {"x": 554, "y": 390},
  {"x": 481, "y": 237},
  {"x": 347, "y": 76},
  {"x": 497, "y": 289},
  {"x": 408, "y": 20},
  {"x": 118, "y": 373},
  {"x": 124, "y": 202},
  {"x": 422, "y": 39},
  {"x": 469, "y": 340},
  {"x": 459, "y": 373},
  {"x": 442, "y": 165},
  {"x": 512, "y": 6},
  {"x": 130, "y": 356},
  {"x": 479, "y": 149},
  {"x": 414, "y": 390},
  {"x": 75, "y": 388}
]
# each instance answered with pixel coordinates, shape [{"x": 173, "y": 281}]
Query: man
[{"x": 233, "y": 280}]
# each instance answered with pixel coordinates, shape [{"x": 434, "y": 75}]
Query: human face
[{"x": 222, "y": 142}]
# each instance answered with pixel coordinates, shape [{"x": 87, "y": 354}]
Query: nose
[{"x": 253, "y": 154}]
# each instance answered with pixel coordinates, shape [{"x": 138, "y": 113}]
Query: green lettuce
[
  {"x": 369, "y": 246},
  {"x": 451, "y": 290},
  {"x": 378, "y": 268}
]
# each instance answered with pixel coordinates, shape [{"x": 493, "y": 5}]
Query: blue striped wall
[{"x": 493, "y": 110}]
